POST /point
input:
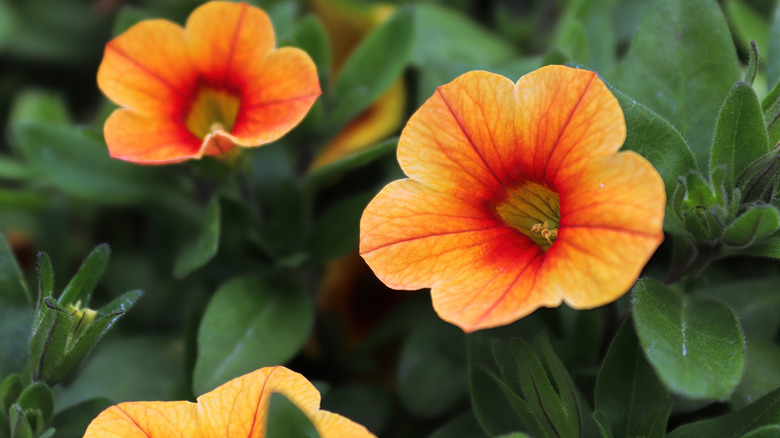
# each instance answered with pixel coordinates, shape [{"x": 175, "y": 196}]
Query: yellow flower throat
[{"x": 533, "y": 210}]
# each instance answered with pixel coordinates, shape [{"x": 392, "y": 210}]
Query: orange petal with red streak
[
  {"x": 452, "y": 142},
  {"x": 412, "y": 236},
  {"x": 612, "y": 222},
  {"x": 148, "y": 139},
  {"x": 148, "y": 68},
  {"x": 224, "y": 38},
  {"x": 566, "y": 117},
  {"x": 145, "y": 420},
  {"x": 279, "y": 92}
]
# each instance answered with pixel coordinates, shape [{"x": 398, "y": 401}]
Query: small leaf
[
  {"x": 627, "y": 388},
  {"x": 251, "y": 322},
  {"x": 20, "y": 425},
  {"x": 38, "y": 396},
  {"x": 205, "y": 244},
  {"x": 373, "y": 66},
  {"x": 694, "y": 343},
  {"x": 13, "y": 289},
  {"x": 763, "y": 412},
  {"x": 749, "y": 26},
  {"x": 352, "y": 161},
  {"x": 39, "y": 106},
  {"x": 286, "y": 420},
  {"x": 682, "y": 63},
  {"x": 12, "y": 387},
  {"x": 753, "y": 225},
  {"x": 740, "y": 134},
  {"x": 45, "y": 276},
  {"x": 49, "y": 341},
  {"x": 86, "y": 279}
]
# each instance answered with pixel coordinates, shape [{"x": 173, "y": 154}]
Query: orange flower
[
  {"x": 516, "y": 199},
  {"x": 238, "y": 408},
  {"x": 203, "y": 89}
]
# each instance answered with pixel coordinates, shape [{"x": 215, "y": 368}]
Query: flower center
[
  {"x": 534, "y": 210},
  {"x": 212, "y": 110}
]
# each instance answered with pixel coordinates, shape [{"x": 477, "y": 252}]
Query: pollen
[{"x": 534, "y": 210}]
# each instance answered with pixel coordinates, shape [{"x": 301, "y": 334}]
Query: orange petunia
[
  {"x": 204, "y": 89},
  {"x": 238, "y": 408},
  {"x": 516, "y": 198}
]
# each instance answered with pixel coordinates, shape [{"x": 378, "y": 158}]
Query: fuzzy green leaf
[
  {"x": 695, "y": 344},
  {"x": 251, "y": 322},
  {"x": 763, "y": 412},
  {"x": 682, "y": 64},
  {"x": 13, "y": 288},
  {"x": 753, "y": 225},
  {"x": 86, "y": 279},
  {"x": 740, "y": 134}
]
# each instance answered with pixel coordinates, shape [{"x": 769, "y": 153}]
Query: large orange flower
[
  {"x": 238, "y": 408},
  {"x": 203, "y": 89},
  {"x": 516, "y": 199}
]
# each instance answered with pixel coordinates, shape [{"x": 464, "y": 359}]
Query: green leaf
[
  {"x": 352, "y": 161},
  {"x": 432, "y": 375},
  {"x": 694, "y": 343},
  {"x": 74, "y": 420},
  {"x": 602, "y": 422},
  {"x": 13, "y": 289},
  {"x": 12, "y": 387},
  {"x": 45, "y": 276},
  {"x": 39, "y": 106},
  {"x": 753, "y": 225},
  {"x": 205, "y": 244},
  {"x": 682, "y": 64},
  {"x": 761, "y": 373},
  {"x": 251, "y": 322},
  {"x": 336, "y": 233},
  {"x": 49, "y": 341},
  {"x": 286, "y": 420},
  {"x": 12, "y": 169},
  {"x": 86, "y": 279},
  {"x": 373, "y": 67},
  {"x": 756, "y": 303},
  {"x": 488, "y": 399},
  {"x": 445, "y": 36},
  {"x": 38, "y": 396},
  {"x": 748, "y": 25},
  {"x": 763, "y": 412},
  {"x": 57, "y": 156},
  {"x": 627, "y": 388},
  {"x": 20, "y": 426},
  {"x": 740, "y": 134}
]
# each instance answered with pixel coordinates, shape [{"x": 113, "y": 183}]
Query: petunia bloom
[
  {"x": 517, "y": 198},
  {"x": 204, "y": 89},
  {"x": 347, "y": 24},
  {"x": 238, "y": 408}
]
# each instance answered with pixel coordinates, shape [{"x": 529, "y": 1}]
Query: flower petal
[
  {"x": 148, "y": 139},
  {"x": 497, "y": 288},
  {"x": 452, "y": 142},
  {"x": 330, "y": 425},
  {"x": 279, "y": 92},
  {"x": 412, "y": 236},
  {"x": 148, "y": 68},
  {"x": 144, "y": 420},
  {"x": 612, "y": 222},
  {"x": 566, "y": 117},
  {"x": 225, "y": 37}
]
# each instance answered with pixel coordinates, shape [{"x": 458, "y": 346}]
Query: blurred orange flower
[
  {"x": 238, "y": 408},
  {"x": 204, "y": 89},
  {"x": 347, "y": 24},
  {"x": 516, "y": 199}
]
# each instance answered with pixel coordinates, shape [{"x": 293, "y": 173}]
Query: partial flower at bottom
[
  {"x": 236, "y": 409},
  {"x": 204, "y": 89},
  {"x": 517, "y": 198}
]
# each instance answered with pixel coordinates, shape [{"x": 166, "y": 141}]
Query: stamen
[{"x": 545, "y": 231}]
